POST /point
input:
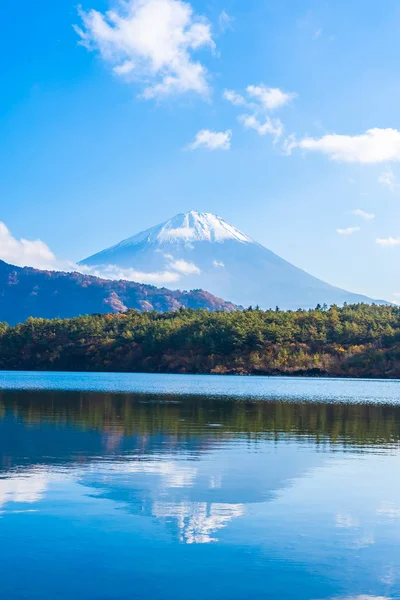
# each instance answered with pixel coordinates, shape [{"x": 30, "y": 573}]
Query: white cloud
[
  {"x": 212, "y": 140},
  {"x": 116, "y": 273},
  {"x": 358, "y": 212},
  {"x": 234, "y": 98},
  {"x": 347, "y": 230},
  {"x": 37, "y": 254},
  {"x": 270, "y": 98},
  {"x": 374, "y": 146},
  {"x": 259, "y": 101},
  {"x": 184, "y": 267},
  {"x": 387, "y": 179},
  {"x": 173, "y": 272},
  {"x": 151, "y": 41},
  {"x": 288, "y": 144},
  {"x": 25, "y": 252},
  {"x": 317, "y": 34},
  {"x": 225, "y": 21},
  {"x": 272, "y": 126},
  {"x": 218, "y": 264},
  {"x": 390, "y": 241},
  {"x": 260, "y": 98},
  {"x": 125, "y": 68}
]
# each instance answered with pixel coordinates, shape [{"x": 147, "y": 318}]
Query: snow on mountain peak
[{"x": 191, "y": 227}]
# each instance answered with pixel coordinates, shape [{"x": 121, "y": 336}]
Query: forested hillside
[
  {"x": 358, "y": 340},
  {"x": 27, "y": 292}
]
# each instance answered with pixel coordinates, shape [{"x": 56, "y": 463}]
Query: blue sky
[{"x": 121, "y": 122}]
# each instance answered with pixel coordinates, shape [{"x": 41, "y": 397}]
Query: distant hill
[
  {"x": 224, "y": 261},
  {"x": 27, "y": 292}
]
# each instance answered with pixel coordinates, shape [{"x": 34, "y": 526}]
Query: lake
[{"x": 164, "y": 487}]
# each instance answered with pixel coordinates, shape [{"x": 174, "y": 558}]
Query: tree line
[{"x": 354, "y": 340}]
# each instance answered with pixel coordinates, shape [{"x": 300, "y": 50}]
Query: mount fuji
[{"x": 201, "y": 250}]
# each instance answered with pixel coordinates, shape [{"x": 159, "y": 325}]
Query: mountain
[
  {"x": 27, "y": 292},
  {"x": 203, "y": 250}
]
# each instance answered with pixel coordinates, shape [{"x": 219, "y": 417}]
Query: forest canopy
[{"x": 357, "y": 340}]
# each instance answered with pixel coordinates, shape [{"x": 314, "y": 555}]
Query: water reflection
[
  {"x": 178, "y": 419},
  {"x": 26, "y": 488},
  {"x": 266, "y": 499},
  {"x": 197, "y": 522}
]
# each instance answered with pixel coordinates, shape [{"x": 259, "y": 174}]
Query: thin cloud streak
[
  {"x": 388, "y": 242},
  {"x": 358, "y": 212},
  {"x": 347, "y": 231}
]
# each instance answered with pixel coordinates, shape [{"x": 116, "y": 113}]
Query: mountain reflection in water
[{"x": 305, "y": 491}]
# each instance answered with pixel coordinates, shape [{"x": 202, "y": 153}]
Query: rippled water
[{"x": 181, "y": 487}]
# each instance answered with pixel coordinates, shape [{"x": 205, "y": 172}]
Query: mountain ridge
[{"x": 28, "y": 292}]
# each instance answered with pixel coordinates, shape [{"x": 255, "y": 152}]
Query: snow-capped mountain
[
  {"x": 201, "y": 250},
  {"x": 188, "y": 228}
]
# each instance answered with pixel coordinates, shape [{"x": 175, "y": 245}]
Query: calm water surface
[{"x": 183, "y": 488}]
